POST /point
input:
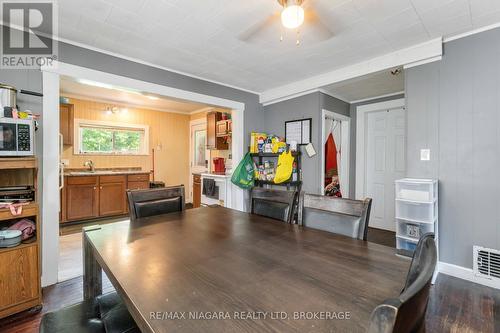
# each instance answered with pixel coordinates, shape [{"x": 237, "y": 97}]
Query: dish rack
[{"x": 416, "y": 212}]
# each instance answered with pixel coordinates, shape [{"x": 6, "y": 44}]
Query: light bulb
[{"x": 292, "y": 17}]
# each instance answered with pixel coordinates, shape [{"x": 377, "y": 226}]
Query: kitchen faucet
[{"x": 90, "y": 164}]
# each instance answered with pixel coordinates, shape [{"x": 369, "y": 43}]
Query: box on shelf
[
  {"x": 413, "y": 229},
  {"x": 405, "y": 246}
]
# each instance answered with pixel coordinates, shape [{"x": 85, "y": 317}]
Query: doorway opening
[
  {"x": 52, "y": 153},
  {"x": 209, "y": 142},
  {"x": 380, "y": 157},
  {"x": 378, "y": 142},
  {"x": 335, "y": 154}
]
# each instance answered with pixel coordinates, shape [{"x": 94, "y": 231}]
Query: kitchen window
[{"x": 102, "y": 138}]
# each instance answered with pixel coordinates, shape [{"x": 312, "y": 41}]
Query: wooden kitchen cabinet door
[
  {"x": 66, "y": 119},
  {"x": 82, "y": 195},
  {"x": 112, "y": 198},
  {"x": 19, "y": 275},
  {"x": 196, "y": 191},
  {"x": 138, "y": 185}
]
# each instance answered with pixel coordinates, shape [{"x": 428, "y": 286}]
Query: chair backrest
[
  {"x": 407, "y": 312},
  {"x": 156, "y": 201},
  {"x": 341, "y": 216},
  {"x": 276, "y": 204}
]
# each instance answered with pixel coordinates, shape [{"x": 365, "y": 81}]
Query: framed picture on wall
[{"x": 299, "y": 131}]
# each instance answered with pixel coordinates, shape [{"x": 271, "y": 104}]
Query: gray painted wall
[
  {"x": 352, "y": 159},
  {"x": 91, "y": 59},
  {"x": 307, "y": 106},
  {"x": 454, "y": 109}
]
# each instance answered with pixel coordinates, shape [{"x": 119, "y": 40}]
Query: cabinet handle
[
  {"x": 100, "y": 187},
  {"x": 95, "y": 188}
]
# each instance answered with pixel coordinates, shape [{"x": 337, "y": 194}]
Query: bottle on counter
[{"x": 294, "y": 172}]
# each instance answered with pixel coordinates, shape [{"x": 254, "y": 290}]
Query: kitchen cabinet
[
  {"x": 82, "y": 198},
  {"x": 215, "y": 142},
  {"x": 89, "y": 197},
  {"x": 196, "y": 191},
  {"x": 112, "y": 187},
  {"x": 222, "y": 129},
  {"x": 20, "y": 276},
  {"x": 66, "y": 120}
]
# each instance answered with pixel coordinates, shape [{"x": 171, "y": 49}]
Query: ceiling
[
  {"x": 200, "y": 38},
  {"x": 70, "y": 87},
  {"x": 367, "y": 86}
]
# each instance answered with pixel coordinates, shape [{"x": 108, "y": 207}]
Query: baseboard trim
[{"x": 466, "y": 274}]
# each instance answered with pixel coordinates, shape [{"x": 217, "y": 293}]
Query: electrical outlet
[{"x": 425, "y": 154}]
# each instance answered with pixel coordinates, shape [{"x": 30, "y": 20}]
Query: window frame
[{"x": 81, "y": 123}]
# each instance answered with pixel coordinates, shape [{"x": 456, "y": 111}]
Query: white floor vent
[{"x": 486, "y": 262}]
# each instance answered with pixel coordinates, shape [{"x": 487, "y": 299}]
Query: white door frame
[
  {"x": 50, "y": 180},
  {"x": 192, "y": 123},
  {"x": 361, "y": 112},
  {"x": 346, "y": 149}
]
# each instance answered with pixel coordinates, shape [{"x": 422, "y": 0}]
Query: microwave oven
[{"x": 16, "y": 137}]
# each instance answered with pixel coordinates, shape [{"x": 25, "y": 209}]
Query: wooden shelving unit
[{"x": 20, "y": 265}]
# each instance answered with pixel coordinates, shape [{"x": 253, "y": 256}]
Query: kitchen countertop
[
  {"x": 103, "y": 172},
  {"x": 216, "y": 175}
]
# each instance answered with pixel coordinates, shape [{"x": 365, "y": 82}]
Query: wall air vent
[{"x": 486, "y": 262}]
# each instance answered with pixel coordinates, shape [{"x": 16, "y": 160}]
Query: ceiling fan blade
[
  {"x": 260, "y": 28},
  {"x": 313, "y": 24}
]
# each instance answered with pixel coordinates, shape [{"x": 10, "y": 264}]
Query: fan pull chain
[{"x": 298, "y": 38}]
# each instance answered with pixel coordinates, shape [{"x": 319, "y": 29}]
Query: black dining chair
[
  {"x": 156, "y": 201},
  {"x": 406, "y": 314},
  {"x": 103, "y": 314},
  {"x": 275, "y": 204},
  {"x": 337, "y": 215}
]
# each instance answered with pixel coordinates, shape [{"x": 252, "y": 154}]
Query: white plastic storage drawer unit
[
  {"x": 416, "y": 212},
  {"x": 416, "y": 189}
]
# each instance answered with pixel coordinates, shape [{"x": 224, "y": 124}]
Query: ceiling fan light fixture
[{"x": 292, "y": 16}]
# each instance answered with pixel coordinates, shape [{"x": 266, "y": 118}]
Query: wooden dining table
[{"x": 215, "y": 269}]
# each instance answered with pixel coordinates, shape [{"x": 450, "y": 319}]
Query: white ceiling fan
[{"x": 298, "y": 16}]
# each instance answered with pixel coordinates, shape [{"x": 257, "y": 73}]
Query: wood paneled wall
[{"x": 168, "y": 135}]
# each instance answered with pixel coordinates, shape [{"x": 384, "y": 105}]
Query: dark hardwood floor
[
  {"x": 455, "y": 305},
  {"x": 383, "y": 237}
]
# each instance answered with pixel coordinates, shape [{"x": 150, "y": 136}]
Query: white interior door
[
  {"x": 199, "y": 155},
  {"x": 385, "y": 162}
]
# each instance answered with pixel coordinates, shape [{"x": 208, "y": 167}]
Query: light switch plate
[{"x": 425, "y": 154}]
